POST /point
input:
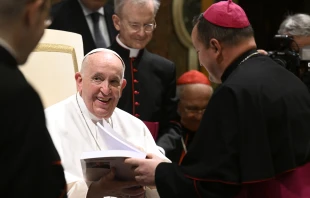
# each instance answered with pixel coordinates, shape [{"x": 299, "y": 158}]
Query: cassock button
[
  {"x": 135, "y": 81},
  {"x": 135, "y": 70},
  {"x": 137, "y": 115},
  {"x": 136, "y": 92},
  {"x": 137, "y": 104}
]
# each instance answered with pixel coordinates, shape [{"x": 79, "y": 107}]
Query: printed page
[{"x": 96, "y": 164}]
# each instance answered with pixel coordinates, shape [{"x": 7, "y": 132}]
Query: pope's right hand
[{"x": 109, "y": 186}]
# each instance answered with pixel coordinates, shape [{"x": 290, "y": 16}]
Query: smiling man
[
  {"x": 150, "y": 91},
  {"x": 72, "y": 125}
]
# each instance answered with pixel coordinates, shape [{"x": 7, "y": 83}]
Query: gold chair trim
[{"x": 48, "y": 47}]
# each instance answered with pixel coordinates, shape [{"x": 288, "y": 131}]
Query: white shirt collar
[
  {"x": 88, "y": 11},
  {"x": 8, "y": 47},
  {"x": 132, "y": 52}
]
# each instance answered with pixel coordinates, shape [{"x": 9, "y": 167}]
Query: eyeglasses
[
  {"x": 136, "y": 27},
  {"x": 194, "y": 110}
]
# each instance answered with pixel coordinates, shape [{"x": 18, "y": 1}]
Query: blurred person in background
[
  {"x": 30, "y": 164},
  {"x": 194, "y": 92},
  {"x": 90, "y": 18},
  {"x": 298, "y": 26}
]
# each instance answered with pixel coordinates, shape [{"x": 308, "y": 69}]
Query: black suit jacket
[
  {"x": 30, "y": 163},
  {"x": 150, "y": 90},
  {"x": 68, "y": 16}
]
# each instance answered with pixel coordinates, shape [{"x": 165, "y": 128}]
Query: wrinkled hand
[
  {"x": 109, "y": 186},
  {"x": 144, "y": 169}
]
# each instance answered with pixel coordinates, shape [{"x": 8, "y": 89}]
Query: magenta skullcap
[{"x": 226, "y": 14}]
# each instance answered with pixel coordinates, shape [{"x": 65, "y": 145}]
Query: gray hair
[
  {"x": 119, "y": 4},
  {"x": 100, "y": 50},
  {"x": 296, "y": 25}
]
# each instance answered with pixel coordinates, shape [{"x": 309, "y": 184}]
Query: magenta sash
[
  {"x": 293, "y": 184},
  {"x": 153, "y": 127}
]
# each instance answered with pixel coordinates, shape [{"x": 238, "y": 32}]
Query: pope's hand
[{"x": 109, "y": 186}]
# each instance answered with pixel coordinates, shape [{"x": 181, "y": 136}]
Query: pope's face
[{"x": 100, "y": 83}]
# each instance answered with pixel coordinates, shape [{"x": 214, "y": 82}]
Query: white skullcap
[{"x": 106, "y": 50}]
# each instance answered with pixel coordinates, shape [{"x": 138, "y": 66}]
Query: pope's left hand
[{"x": 144, "y": 169}]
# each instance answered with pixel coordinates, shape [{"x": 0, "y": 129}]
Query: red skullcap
[
  {"x": 226, "y": 14},
  {"x": 193, "y": 77}
]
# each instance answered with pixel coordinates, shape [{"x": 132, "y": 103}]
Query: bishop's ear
[
  {"x": 215, "y": 45},
  {"x": 116, "y": 22}
]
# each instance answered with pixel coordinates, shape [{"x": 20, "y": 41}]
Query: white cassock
[{"x": 73, "y": 130}]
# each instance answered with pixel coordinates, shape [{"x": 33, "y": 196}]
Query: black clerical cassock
[{"x": 254, "y": 139}]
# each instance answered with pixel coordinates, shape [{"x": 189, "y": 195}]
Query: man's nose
[
  {"x": 198, "y": 116},
  {"x": 141, "y": 32},
  {"x": 105, "y": 87}
]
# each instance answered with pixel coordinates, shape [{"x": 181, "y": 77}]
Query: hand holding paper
[
  {"x": 96, "y": 164},
  {"x": 145, "y": 169}
]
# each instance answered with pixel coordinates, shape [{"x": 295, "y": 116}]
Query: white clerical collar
[
  {"x": 132, "y": 52},
  {"x": 86, "y": 112},
  {"x": 8, "y": 47},
  {"x": 88, "y": 11}
]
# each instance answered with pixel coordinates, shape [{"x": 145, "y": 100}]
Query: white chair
[{"x": 52, "y": 65}]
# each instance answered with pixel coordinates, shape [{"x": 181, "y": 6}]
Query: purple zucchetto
[{"x": 226, "y": 14}]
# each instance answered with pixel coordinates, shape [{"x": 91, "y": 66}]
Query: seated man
[
  {"x": 194, "y": 92},
  {"x": 72, "y": 125}
]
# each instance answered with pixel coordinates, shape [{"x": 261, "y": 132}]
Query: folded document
[{"x": 96, "y": 164}]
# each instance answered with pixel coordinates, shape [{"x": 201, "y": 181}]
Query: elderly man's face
[
  {"x": 94, "y": 4},
  {"x": 193, "y": 101},
  {"x": 100, "y": 83},
  {"x": 136, "y": 24},
  {"x": 301, "y": 41}
]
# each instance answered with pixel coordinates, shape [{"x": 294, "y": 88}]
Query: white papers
[
  {"x": 113, "y": 140},
  {"x": 96, "y": 164}
]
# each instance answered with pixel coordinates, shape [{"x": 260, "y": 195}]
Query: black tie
[{"x": 97, "y": 33}]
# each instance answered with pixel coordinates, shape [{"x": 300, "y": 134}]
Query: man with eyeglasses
[
  {"x": 194, "y": 92},
  {"x": 30, "y": 165},
  {"x": 150, "y": 91}
]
